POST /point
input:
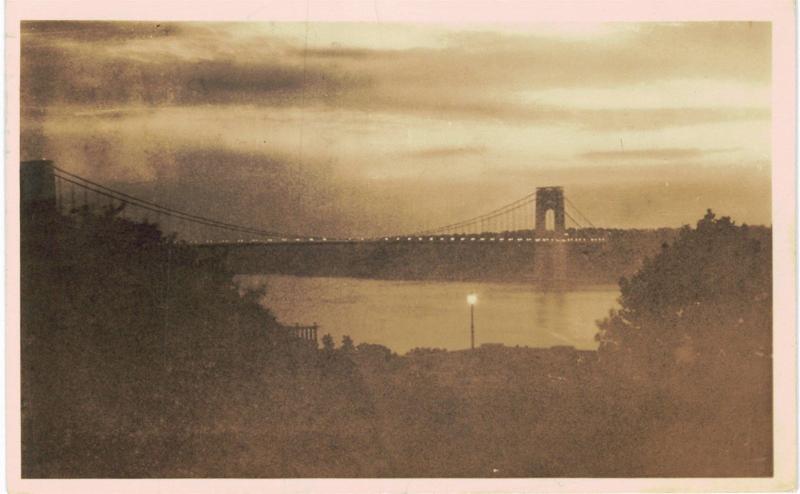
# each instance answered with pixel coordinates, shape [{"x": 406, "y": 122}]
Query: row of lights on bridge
[
  {"x": 432, "y": 239},
  {"x": 500, "y": 239}
]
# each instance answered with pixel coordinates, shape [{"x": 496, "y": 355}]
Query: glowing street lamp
[{"x": 472, "y": 299}]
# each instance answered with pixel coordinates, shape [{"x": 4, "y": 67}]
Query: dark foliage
[
  {"x": 693, "y": 338},
  {"x": 142, "y": 359}
]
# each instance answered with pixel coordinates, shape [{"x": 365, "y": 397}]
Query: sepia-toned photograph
[{"x": 340, "y": 250}]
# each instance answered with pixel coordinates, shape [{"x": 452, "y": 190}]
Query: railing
[{"x": 304, "y": 333}]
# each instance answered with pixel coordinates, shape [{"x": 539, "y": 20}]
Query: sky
[{"x": 364, "y": 129}]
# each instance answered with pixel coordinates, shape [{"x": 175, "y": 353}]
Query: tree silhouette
[
  {"x": 347, "y": 344},
  {"x": 705, "y": 296},
  {"x": 691, "y": 346},
  {"x": 327, "y": 343}
]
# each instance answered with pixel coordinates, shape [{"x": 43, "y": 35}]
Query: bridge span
[
  {"x": 510, "y": 239},
  {"x": 542, "y": 236},
  {"x": 540, "y": 216}
]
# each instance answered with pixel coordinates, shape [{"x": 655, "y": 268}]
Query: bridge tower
[
  {"x": 37, "y": 185},
  {"x": 549, "y": 199},
  {"x": 550, "y": 258}
]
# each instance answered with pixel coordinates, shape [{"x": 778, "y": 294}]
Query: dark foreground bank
[{"x": 140, "y": 358}]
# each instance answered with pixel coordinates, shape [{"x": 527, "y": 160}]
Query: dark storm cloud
[
  {"x": 51, "y": 77},
  {"x": 112, "y": 64},
  {"x": 225, "y": 81},
  {"x": 97, "y": 31}
]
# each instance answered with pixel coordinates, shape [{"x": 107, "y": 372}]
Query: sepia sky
[{"x": 360, "y": 129}]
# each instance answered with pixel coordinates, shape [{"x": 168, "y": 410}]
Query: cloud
[
  {"x": 341, "y": 135},
  {"x": 662, "y": 154},
  {"x": 446, "y": 152},
  {"x": 98, "y": 31},
  {"x": 340, "y": 53},
  {"x": 51, "y": 78},
  {"x": 475, "y": 74},
  {"x": 638, "y": 53},
  {"x": 590, "y": 119}
]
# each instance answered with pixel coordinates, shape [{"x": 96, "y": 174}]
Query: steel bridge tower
[{"x": 549, "y": 199}]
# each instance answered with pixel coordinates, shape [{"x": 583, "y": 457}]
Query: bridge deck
[{"x": 444, "y": 238}]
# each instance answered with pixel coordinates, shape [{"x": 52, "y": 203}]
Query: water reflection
[{"x": 406, "y": 314}]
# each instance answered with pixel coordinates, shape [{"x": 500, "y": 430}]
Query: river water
[{"x": 406, "y": 314}]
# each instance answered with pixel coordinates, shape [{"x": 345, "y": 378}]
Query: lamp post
[{"x": 471, "y": 300}]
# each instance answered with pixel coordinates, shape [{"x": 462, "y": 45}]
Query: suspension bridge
[{"x": 544, "y": 216}]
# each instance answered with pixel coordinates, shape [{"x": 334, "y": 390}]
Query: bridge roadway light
[{"x": 472, "y": 299}]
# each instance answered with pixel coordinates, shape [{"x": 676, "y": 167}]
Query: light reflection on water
[{"x": 406, "y": 314}]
